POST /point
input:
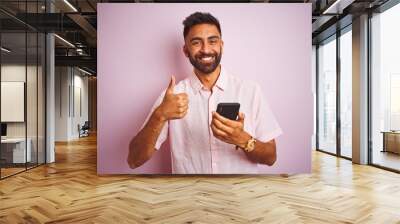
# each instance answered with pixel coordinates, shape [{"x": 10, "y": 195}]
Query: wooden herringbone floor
[{"x": 69, "y": 191}]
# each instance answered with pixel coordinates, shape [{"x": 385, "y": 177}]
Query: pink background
[{"x": 139, "y": 47}]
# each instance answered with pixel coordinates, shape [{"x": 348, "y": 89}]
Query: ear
[{"x": 185, "y": 50}]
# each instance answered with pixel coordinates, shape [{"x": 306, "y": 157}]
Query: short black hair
[{"x": 199, "y": 18}]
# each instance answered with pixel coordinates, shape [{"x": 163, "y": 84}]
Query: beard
[{"x": 205, "y": 67}]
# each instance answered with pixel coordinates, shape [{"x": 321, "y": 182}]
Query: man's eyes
[{"x": 212, "y": 41}]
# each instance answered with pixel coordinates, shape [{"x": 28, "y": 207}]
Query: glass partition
[
  {"x": 13, "y": 99},
  {"x": 22, "y": 77},
  {"x": 32, "y": 96}
]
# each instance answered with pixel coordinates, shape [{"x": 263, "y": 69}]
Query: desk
[
  {"x": 13, "y": 150},
  {"x": 391, "y": 141}
]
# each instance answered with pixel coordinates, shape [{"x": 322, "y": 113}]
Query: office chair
[{"x": 84, "y": 130}]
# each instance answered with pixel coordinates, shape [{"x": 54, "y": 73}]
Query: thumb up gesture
[{"x": 173, "y": 106}]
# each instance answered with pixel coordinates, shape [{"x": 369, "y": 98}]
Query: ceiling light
[
  {"x": 70, "y": 5},
  {"x": 64, "y": 40},
  {"x": 337, "y": 7},
  {"x": 5, "y": 50},
  {"x": 331, "y": 7},
  {"x": 84, "y": 71}
]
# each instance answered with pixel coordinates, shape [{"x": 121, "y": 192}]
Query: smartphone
[{"x": 228, "y": 110}]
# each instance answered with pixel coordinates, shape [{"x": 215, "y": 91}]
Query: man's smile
[{"x": 207, "y": 59}]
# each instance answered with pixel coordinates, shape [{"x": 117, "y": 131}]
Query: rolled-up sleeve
[{"x": 266, "y": 125}]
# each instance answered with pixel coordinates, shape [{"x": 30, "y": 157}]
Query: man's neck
[{"x": 208, "y": 80}]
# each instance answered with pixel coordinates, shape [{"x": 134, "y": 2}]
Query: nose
[{"x": 205, "y": 49}]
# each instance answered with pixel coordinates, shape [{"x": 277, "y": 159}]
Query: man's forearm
[
  {"x": 264, "y": 152},
  {"x": 142, "y": 145}
]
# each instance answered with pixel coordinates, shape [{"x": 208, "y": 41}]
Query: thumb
[
  {"x": 241, "y": 117},
  {"x": 170, "y": 89}
]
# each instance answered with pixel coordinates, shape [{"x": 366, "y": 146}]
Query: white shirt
[{"x": 194, "y": 149}]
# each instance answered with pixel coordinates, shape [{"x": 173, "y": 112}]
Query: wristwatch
[{"x": 250, "y": 145}]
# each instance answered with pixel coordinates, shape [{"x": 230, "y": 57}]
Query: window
[
  {"x": 394, "y": 102},
  {"x": 346, "y": 93},
  {"x": 333, "y": 137},
  {"x": 327, "y": 96},
  {"x": 385, "y": 89}
]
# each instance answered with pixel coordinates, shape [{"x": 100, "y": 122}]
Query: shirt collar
[{"x": 221, "y": 81}]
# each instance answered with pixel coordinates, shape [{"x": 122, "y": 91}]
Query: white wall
[
  {"x": 71, "y": 92},
  {"x": 80, "y": 110},
  {"x": 33, "y": 127},
  {"x": 62, "y": 80},
  {"x": 15, "y": 72}
]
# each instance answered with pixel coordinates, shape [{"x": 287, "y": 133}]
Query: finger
[
  {"x": 218, "y": 132},
  {"x": 182, "y": 104},
  {"x": 222, "y": 127},
  {"x": 224, "y": 120},
  {"x": 182, "y": 96},
  {"x": 241, "y": 117},
  {"x": 170, "y": 89},
  {"x": 182, "y": 108},
  {"x": 183, "y": 101},
  {"x": 181, "y": 115}
]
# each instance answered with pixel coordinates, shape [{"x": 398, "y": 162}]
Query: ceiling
[{"x": 76, "y": 22}]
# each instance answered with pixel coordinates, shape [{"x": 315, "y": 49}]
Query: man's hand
[
  {"x": 229, "y": 131},
  {"x": 173, "y": 106}
]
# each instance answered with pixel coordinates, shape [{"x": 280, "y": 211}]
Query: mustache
[{"x": 206, "y": 55}]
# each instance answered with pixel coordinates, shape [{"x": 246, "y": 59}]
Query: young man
[{"x": 201, "y": 140}]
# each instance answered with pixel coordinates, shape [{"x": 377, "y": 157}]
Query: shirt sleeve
[
  {"x": 266, "y": 125},
  {"x": 164, "y": 131}
]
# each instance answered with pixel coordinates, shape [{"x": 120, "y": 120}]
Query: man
[{"x": 201, "y": 140}]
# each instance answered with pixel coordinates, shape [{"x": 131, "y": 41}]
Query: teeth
[{"x": 207, "y": 58}]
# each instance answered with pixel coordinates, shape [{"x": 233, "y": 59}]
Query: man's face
[{"x": 203, "y": 47}]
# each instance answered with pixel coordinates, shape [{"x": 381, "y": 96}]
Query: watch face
[{"x": 252, "y": 145}]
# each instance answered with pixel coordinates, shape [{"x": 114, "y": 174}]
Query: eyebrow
[
  {"x": 198, "y": 38},
  {"x": 195, "y": 38},
  {"x": 213, "y": 37}
]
